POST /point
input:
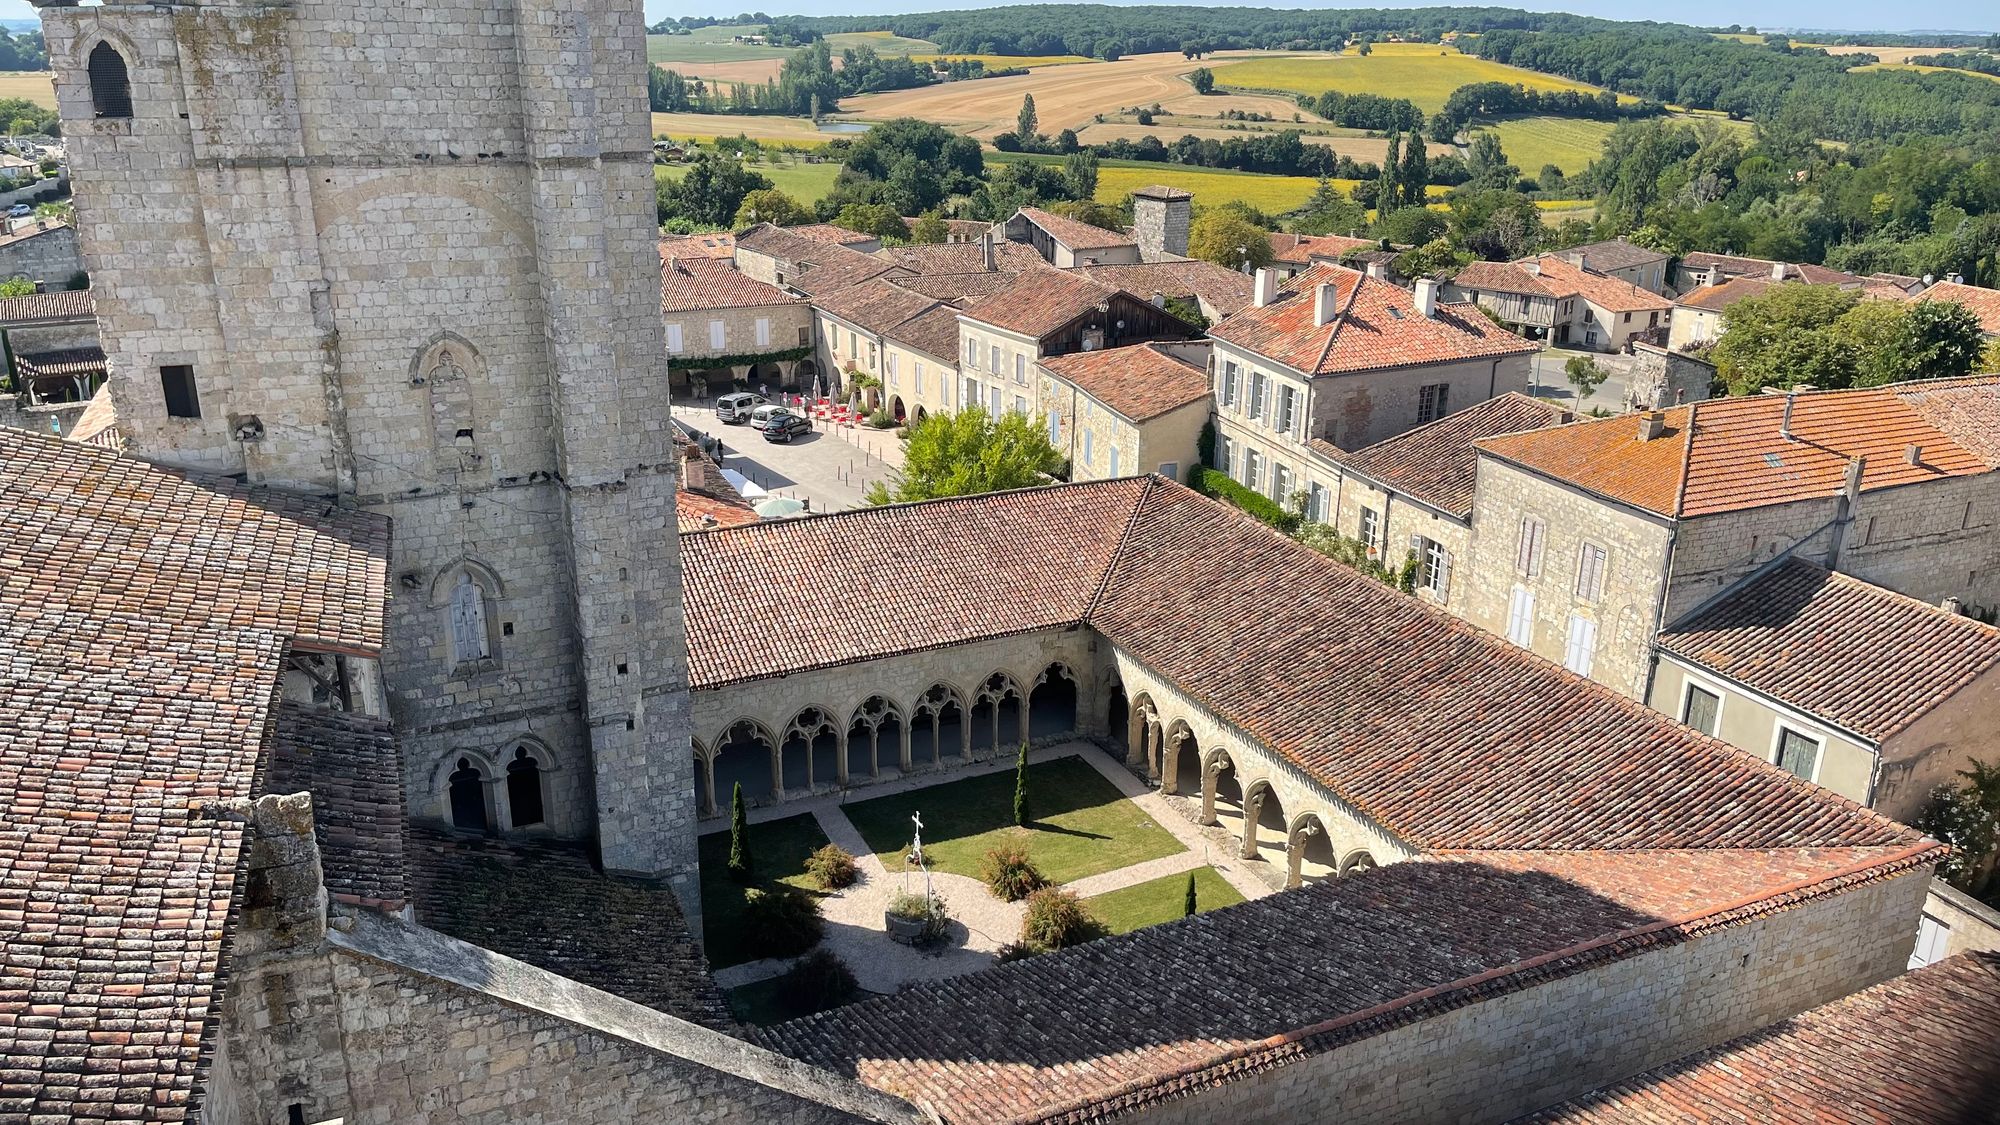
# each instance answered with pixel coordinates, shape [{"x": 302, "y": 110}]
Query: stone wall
[
  {"x": 787, "y": 327},
  {"x": 1750, "y": 721},
  {"x": 58, "y": 418},
  {"x": 1523, "y": 1050},
  {"x": 1970, "y": 925},
  {"x": 1016, "y": 377},
  {"x": 1932, "y": 750},
  {"x": 924, "y": 383},
  {"x": 1636, "y": 554},
  {"x": 1397, "y": 519},
  {"x": 1656, "y": 378},
  {"x": 51, "y": 256}
]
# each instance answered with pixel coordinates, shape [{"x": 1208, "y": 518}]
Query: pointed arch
[
  {"x": 1052, "y": 702},
  {"x": 110, "y": 81},
  {"x": 466, "y": 594},
  {"x": 746, "y": 754}
]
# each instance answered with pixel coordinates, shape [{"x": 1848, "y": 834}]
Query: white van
[{"x": 737, "y": 408}]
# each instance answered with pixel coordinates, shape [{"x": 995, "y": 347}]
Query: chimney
[
  {"x": 1852, "y": 485},
  {"x": 1534, "y": 268},
  {"x": 1651, "y": 425},
  {"x": 1378, "y": 271},
  {"x": 1325, "y": 305},
  {"x": 1952, "y": 605},
  {"x": 1574, "y": 258},
  {"x": 986, "y": 251},
  {"x": 1427, "y": 297},
  {"x": 1958, "y": 279},
  {"x": 1927, "y": 281},
  {"x": 1266, "y": 287},
  {"x": 1777, "y": 271},
  {"x": 1913, "y": 453},
  {"x": 1785, "y": 424}
]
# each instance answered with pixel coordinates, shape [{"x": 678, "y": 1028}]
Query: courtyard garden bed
[
  {"x": 1161, "y": 900},
  {"x": 1082, "y": 824},
  {"x": 781, "y": 849}
]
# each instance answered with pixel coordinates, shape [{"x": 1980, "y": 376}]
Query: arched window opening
[
  {"x": 469, "y": 639},
  {"x": 468, "y": 797},
  {"x": 524, "y": 789},
  {"x": 110, "y": 85}
]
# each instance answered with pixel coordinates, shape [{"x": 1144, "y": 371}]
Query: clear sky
[{"x": 1858, "y": 15}]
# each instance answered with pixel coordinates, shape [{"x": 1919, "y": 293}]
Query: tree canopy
[
  {"x": 1228, "y": 239},
  {"x": 1824, "y": 336},
  {"x": 969, "y": 452}
]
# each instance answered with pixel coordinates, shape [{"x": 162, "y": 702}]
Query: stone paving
[{"x": 981, "y": 924}]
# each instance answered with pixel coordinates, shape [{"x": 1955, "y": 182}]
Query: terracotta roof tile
[
  {"x": 1501, "y": 277},
  {"x": 1727, "y": 454},
  {"x": 1860, "y": 657},
  {"x": 1039, "y": 301},
  {"x": 876, "y": 305},
  {"x": 961, "y": 257},
  {"x": 1436, "y": 462},
  {"x": 961, "y": 287},
  {"x": 1378, "y": 327},
  {"x": 68, "y": 304},
  {"x": 1715, "y": 298},
  {"x": 546, "y": 903},
  {"x": 715, "y": 244},
  {"x": 833, "y": 235},
  {"x": 940, "y": 556},
  {"x": 1982, "y": 303},
  {"x": 1226, "y": 290},
  {"x": 933, "y": 332},
  {"x": 1110, "y": 1026},
  {"x": 1737, "y": 266},
  {"x": 713, "y": 283},
  {"x": 1300, "y": 249},
  {"x": 813, "y": 266},
  {"x": 1566, "y": 279},
  {"x": 1139, "y": 382},
  {"x": 1073, "y": 233},
  {"x": 1919, "y": 1049},
  {"x": 62, "y": 362},
  {"x": 1615, "y": 254},
  {"x": 352, "y": 768}
]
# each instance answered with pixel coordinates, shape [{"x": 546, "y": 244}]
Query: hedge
[{"x": 1216, "y": 483}]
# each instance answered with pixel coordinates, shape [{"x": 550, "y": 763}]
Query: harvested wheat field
[
  {"x": 1066, "y": 97},
  {"x": 1425, "y": 73},
  {"x": 757, "y": 126},
  {"x": 36, "y": 87},
  {"x": 1359, "y": 148}
]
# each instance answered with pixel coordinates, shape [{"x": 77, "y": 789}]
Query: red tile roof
[
  {"x": 876, "y": 305},
  {"x": 1982, "y": 303},
  {"x": 1300, "y": 249},
  {"x": 940, "y": 557},
  {"x": 1715, "y": 298},
  {"x": 68, "y": 304},
  {"x": 828, "y": 233},
  {"x": 1615, "y": 254},
  {"x": 715, "y": 244},
  {"x": 1735, "y": 266},
  {"x": 1139, "y": 382},
  {"x": 1040, "y": 301},
  {"x": 961, "y": 257},
  {"x": 1613, "y": 294},
  {"x": 1073, "y": 233},
  {"x": 933, "y": 332},
  {"x": 144, "y": 619},
  {"x": 1436, "y": 462},
  {"x": 1225, "y": 290},
  {"x": 1860, "y": 657},
  {"x": 1727, "y": 454},
  {"x": 812, "y": 266},
  {"x": 713, "y": 283},
  {"x": 66, "y": 361},
  {"x": 1501, "y": 277},
  {"x": 1919, "y": 1049},
  {"x": 705, "y": 498},
  {"x": 1113, "y": 1026},
  {"x": 1378, "y": 327}
]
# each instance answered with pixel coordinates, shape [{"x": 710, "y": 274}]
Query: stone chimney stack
[
  {"x": 1651, "y": 425},
  {"x": 1326, "y": 305},
  {"x": 1427, "y": 297},
  {"x": 1160, "y": 219},
  {"x": 1777, "y": 271},
  {"x": 1267, "y": 287},
  {"x": 986, "y": 252}
]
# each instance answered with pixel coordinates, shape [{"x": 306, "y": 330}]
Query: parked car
[
  {"x": 20, "y": 211},
  {"x": 785, "y": 426},
  {"x": 734, "y": 408},
  {"x": 762, "y": 416}
]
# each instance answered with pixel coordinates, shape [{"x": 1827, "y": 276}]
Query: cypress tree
[
  {"x": 1021, "y": 816},
  {"x": 1190, "y": 896},
  {"x": 740, "y": 867},
  {"x": 1386, "y": 191}
]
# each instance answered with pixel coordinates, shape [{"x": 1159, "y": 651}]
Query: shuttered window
[
  {"x": 1590, "y": 572},
  {"x": 1521, "y": 617},
  {"x": 1703, "y": 708},
  {"x": 1582, "y": 652},
  {"x": 1528, "y": 555}
]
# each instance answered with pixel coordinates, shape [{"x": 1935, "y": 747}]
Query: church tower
[{"x": 403, "y": 253}]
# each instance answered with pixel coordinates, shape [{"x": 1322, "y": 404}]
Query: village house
[
  {"x": 1982, "y": 303},
  {"x": 1123, "y": 411},
  {"x": 1342, "y": 358},
  {"x": 1697, "y": 316},
  {"x": 1617, "y": 258},
  {"x": 50, "y": 341},
  {"x": 43, "y": 251},
  {"x": 1699, "y": 267},
  {"x": 1292, "y": 253},
  {"x": 1064, "y": 242},
  {"x": 1554, "y": 298},
  {"x": 728, "y": 331}
]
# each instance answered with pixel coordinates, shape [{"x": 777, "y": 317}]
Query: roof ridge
[{"x": 939, "y": 500}]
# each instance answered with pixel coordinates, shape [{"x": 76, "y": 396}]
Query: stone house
[
  {"x": 1292, "y": 253},
  {"x": 1873, "y": 695},
  {"x": 1217, "y": 292},
  {"x": 1065, "y": 242},
  {"x": 1591, "y": 539},
  {"x": 1130, "y": 410},
  {"x": 1981, "y": 302},
  {"x": 777, "y": 256},
  {"x": 1699, "y": 267},
  {"x": 728, "y": 331},
  {"x": 1338, "y": 357},
  {"x": 43, "y": 251},
  {"x": 1410, "y": 496},
  {"x": 50, "y": 342},
  {"x": 1617, "y": 258},
  {"x": 1697, "y": 316},
  {"x": 1044, "y": 313},
  {"x": 1554, "y": 298}
]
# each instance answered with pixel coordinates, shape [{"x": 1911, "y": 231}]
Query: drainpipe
[{"x": 1493, "y": 377}]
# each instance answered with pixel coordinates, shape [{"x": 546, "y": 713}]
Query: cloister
[{"x": 848, "y": 728}]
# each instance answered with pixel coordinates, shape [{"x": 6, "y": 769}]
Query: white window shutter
[
  {"x": 763, "y": 332},
  {"x": 673, "y": 338},
  {"x": 718, "y": 335}
]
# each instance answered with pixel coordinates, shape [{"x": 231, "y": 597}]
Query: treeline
[
  {"x": 808, "y": 84},
  {"x": 23, "y": 51},
  {"x": 1797, "y": 89},
  {"x": 1499, "y": 99},
  {"x": 1283, "y": 154},
  {"x": 1978, "y": 61},
  {"x": 1365, "y": 111}
]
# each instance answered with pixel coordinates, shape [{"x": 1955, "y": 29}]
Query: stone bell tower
[{"x": 403, "y": 253}]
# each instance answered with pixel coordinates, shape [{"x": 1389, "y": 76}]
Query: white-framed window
[
  {"x": 1170, "y": 470},
  {"x": 1528, "y": 550},
  {"x": 1933, "y": 940},
  {"x": 1225, "y": 454},
  {"x": 1020, "y": 368},
  {"x": 1434, "y": 568},
  {"x": 1590, "y": 572},
  {"x": 1318, "y": 499},
  {"x": 718, "y": 335},
  {"x": 1287, "y": 408},
  {"x": 891, "y": 361},
  {"x": 1020, "y": 405},
  {"x": 993, "y": 400},
  {"x": 763, "y": 331},
  {"x": 1371, "y": 528},
  {"x": 1281, "y": 483},
  {"x": 1796, "y": 752},
  {"x": 993, "y": 358},
  {"x": 1521, "y": 617},
  {"x": 1701, "y": 707},
  {"x": 971, "y": 351},
  {"x": 917, "y": 378},
  {"x": 853, "y": 344},
  {"x": 970, "y": 397},
  {"x": 1114, "y": 460},
  {"x": 1581, "y": 653},
  {"x": 1055, "y": 425},
  {"x": 1089, "y": 447},
  {"x": 1433, "y": 402},
  {"x": 1229, "y": 372},
  {"x": 1259, "y": 383},
  {"x": 1253, "y": 469},
  {"x": 674, "y": 342}
]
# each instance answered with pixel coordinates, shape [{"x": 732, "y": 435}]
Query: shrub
[
  {"x": 916, "y": 907},
  {"x": 1008, "y": 874},
  {"x": 1057, "y": 919},
  {"x": 1216, "y": 483},
  {"x": 881, "y": 419},
  {"x": 832, "y": 867},
  {"x": 1015, "y": 951},
  {"x": 781, "y": 922},
  {"x": 818, "y": 982}
]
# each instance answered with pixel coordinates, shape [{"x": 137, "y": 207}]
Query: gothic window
[
  {"x": 470, "y": 639},
  {"x": 524, "y": 789},
  {"x": 468, "y": 797},
  {"x": 110, "y": 86},
  {"x": 454, "y": 434}
]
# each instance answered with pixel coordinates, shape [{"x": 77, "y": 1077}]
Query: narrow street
[{"x": 829, "y": 471}]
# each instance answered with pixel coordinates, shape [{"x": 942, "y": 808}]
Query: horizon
[{"x": 1845, "y": 17}]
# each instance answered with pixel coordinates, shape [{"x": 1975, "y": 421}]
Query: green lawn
[
  {"x": 1425, "y": 73},
  {"x": 779, "y": 848},
  {"x": 1082, "y": 824},
  {"x": 1569, "y": 143},
  {"x": 1162, "y": 900},
  {"x": 803, "y": 182}
]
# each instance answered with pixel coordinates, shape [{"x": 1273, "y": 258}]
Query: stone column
[
  {"x": 1135, "y": 737},
  {"x": 840, "y": 755},
  {"x": 778, "y": 772},
  {"x": 903, "y": 738},
  {"x": 1170, "y": 776},
  {"x": 875, "y": 750},
  {"x": 1209, "y": 772},
  {"x": 708, "y": 786},
  {"x": 1251, "y": 805}
]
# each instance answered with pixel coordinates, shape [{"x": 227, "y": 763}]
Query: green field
[
  {"x": 883, "y": 43},
  {"x": 1569, "y": 143},
  {"x": 709, "y": 45},
  {"x": 1211, "y": 186},
  {"x": 1162, "y": 900},
  {"x": 803, "y": 182},
  {"x": 798, "y": 131},
  {"x": 1081, "y": 824},
  {"x": 1927, "y": 69},
  {"x": 1425, "y": 73}
]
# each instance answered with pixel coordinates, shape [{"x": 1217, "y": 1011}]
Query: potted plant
[{"x": 911, "y": 917}]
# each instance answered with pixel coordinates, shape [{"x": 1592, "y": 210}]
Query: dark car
[{"x": 785, "y": 427}]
